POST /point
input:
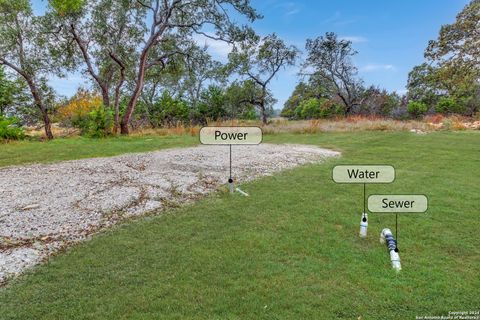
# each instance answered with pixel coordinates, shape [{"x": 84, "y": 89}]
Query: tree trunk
[
  {"x": 116, "y": 119},
  {"x": 264, "y": 114},
  {"x": 105, "y": 96},
  {"x": 37, "y": 98},
  {"x": 39, "y": 103},
  {"x": 139, "y": 83},
  {"x": 48, "y": 125},
  {"x": 262, "y": 106}
]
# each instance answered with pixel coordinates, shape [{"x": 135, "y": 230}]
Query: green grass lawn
[
  {"x": 289, "y": 251},
  {"x": 21, "y": 152}
]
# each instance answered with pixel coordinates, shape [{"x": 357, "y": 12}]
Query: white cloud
[
  {"x": 338, "y": 20},
  {"x": 290, "y": 8},
  {"x": 292, "y": 12},
  {"x": 216, "y": 47},
  {"x": 333, "y": 18},
  {"x": 378, "y": 67},
  {"x": 354, "y": 39}
]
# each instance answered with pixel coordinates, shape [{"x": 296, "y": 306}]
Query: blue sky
[{"x": 390, "y": 36}]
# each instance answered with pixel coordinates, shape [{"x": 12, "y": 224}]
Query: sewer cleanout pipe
[
  {"x": 386, "y": 236},
  {"x": 363, "y": 225}
]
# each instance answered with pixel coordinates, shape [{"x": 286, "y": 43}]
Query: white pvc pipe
[
  {"x": 363, "y": 225},
  {"x": 386, "y": 236},
  {"x": 242, "y": 192}
]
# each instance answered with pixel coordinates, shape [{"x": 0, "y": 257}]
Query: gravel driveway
[{"x": 46, "y": 207}]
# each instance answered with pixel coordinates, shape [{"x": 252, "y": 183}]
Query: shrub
[
  {"x": 76, "y": 111},
  {"x": 417, "y": 109},
  {"x": 168, "y": 111},
  {"x": 249, "y": 113},
  {"x": 96, "y": 124},
  {"x": 330, "y": 108},
  {"x": 100, "y": 123},
  {"x": 448, "y": 105},
  {"x": 10, "y": 129},
  {"x": 310, "y": 109},
  {"x": 288, "y": 113}
]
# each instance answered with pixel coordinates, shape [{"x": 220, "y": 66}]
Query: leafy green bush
[
  {"x": 212, "y": 104},
  {"x": 330, "y": 108},
  {"x": 96, "y": 124},
  {"x": 310, "y": 109},
  {"x": 100, "y": 123},
  {"x": 314, "y": 108},
  {"x": 448, "y": 105},
  {"x": 249, "y": 113},
  {"x": 10, "y": 129},
  {"x": 417, "y": 109},
  {"x": 168, "y": 111}
]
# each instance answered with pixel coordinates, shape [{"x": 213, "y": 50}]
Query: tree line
[
  {"x": 146, "y": 67},
  {"x": 448, "y": 82}
]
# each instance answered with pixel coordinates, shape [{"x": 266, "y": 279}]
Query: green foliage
[
  {"x": 417, "y": 109},
  {"x": 302, "y": 92},
  {"x": 242, "y": 98},
  {"x": 249, "y": 113},
  {"x": 9, "y": 6},
  {"x": 310, "y": 109},
  {"x": 314, "y": 108},
  {"x": 67, "y": 7},
  {"x": 6, "y": 92},
  {"x": 457, "y": 44},
  {"x": 10, "y": 129},
  {"x": 449, "y": 105},
  {"x": 330, "y": 57},
  {"x": 453, "y": 67},
  {"x": 212, "y": 104},
  {"x": 424, "y": 84},
  {"x": 168, "y": 111},
  {"x": 98, "y": 123},
  {"x": 259, "y": 59}
]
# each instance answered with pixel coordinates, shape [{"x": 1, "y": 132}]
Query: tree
[
  {"x": 105, "y": 44},
  {"x": 376, "y": 101},
  {"x": 303, "y": 91},
  {"x": 455, "y": 55},
  {"x": 6, "y": 92},
  {"x": 423, "y": 84},
  {"x": 212, "y": 104},
  {"x": 260, "y": 60},
  {"x": 168, "y": 19},
  {"x": 199, "y": 70},
  {"x": 22, "y": 49},
  {"x": 458, "y": 43},
  {"x": 182, "y": 19},
  {"x": 241, "y": 97},
  {"x": 330, "y": 59}
]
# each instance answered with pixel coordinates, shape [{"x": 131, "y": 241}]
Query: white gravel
[{"x": 46, "y": 207}]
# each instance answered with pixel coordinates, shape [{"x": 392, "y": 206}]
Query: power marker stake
[
  {"x": 230, "y": 136},
  {"x": 230, "y": 179}
]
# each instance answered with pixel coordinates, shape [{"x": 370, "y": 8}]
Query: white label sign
[
  {"x": 398, "y": 203},
  {"x": 231, "y": 135},
  {"x": 363, "y": 174}
]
